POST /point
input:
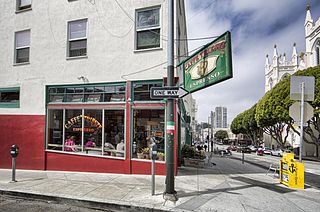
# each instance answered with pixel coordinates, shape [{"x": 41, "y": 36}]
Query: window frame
[
  {"x": 10, "y": 104},
  {"x": 145, "y": 29},
  {"x": 24, "y": 47},
  {"x": 23, "y": 8},
  {"x": 69, "y": 40}
]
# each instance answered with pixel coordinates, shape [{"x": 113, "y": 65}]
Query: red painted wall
[
  {"x": 82, "y": 163},
  {"x": 27, "y": 131},
  {"x": 144, "y": 167}
]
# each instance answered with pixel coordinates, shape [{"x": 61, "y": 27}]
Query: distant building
[{"x": 220, "y": 117}]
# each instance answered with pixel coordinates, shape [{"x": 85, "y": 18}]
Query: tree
[
  {"x": 272, "y": 112},
  {"x": 221, "y": 134},
  {"x": 250, "y": 126},
  {"x": 236, "y": 124},
  {"x": 312, "y": 131}
]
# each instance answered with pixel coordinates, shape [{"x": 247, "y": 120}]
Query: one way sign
[{"x": 167, "y": 92}]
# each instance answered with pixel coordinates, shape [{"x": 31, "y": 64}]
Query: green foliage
[
  {"x": 236, "y": 124},
  {"x": 221, "y": 134},
  {"x": 188, "y": 151}
]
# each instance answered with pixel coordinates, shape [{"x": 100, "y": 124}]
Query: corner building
[{"x": 75, "y": 80}]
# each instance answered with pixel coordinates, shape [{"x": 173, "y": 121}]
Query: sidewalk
[{"x": 216, "y": 188}]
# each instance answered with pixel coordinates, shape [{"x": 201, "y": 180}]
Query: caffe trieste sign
[{"x": 209, "y": 65}]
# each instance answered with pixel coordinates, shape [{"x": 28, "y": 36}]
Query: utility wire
[{"x": 160, "y": 64}]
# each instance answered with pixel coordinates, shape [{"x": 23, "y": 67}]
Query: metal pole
[
  {"x": 242, "y": 157},
  {"x": 169, "y": 192},
  {"x": 301, "y": 124},
  {"x": 211, "y": 131},
  {"x": 14, "y": 169},
  {"x": 152, "y": 178}
]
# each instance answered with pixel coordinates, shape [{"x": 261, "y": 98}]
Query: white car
[{"x": 277, "y": 152}]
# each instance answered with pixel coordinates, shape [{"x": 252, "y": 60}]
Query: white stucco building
[{"x": 83, "y": 69}]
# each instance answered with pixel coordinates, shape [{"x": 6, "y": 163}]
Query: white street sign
[
  {"x": 295, "y": 87},
  {"x": 182, "y": 92},
  {"x": 295, "y": 112}
]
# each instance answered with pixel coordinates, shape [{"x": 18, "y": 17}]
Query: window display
[
  {"x": 148, "y": 127},
  {"x": 81, "y": 131}
]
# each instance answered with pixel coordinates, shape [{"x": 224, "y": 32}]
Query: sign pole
[
  {"x": 170, "y": 193},
  {"x": 301, "y": 124}
]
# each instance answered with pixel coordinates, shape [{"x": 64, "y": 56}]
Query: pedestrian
[{"x": 205, "y": 147}]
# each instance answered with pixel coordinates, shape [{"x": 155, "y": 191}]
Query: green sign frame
[{"x": 209, "y": 65}]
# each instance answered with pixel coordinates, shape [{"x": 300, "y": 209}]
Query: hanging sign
[{"x": 210, "y": 65}]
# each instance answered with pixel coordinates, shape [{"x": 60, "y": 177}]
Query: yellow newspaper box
[{"x": 291, "y": 171}]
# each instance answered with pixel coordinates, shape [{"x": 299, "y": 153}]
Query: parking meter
[
  {"x": 14, "y": 151},
  {"x": 154, "y": 151}
]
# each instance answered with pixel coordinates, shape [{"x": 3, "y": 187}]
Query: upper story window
[
  {"x": 22, "y": 46},
  {"x": 23, "y": 4},
  {"x": 77, "y": 38},
  {"x": 9, "y": 97},
  {"x": 148, "y": 28}
]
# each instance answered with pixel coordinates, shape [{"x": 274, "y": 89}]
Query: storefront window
[
  {"x": 148, "y": 127},
  {"x": 142, "y": 91},
  {"x": 73, "y": 130},
  {"x": 92, "y": 132},
  {"x": 114, "y": 133},
  {"x": 55, "y": 129},
  {"x": 81, "y": 131}
]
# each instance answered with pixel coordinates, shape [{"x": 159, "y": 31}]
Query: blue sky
[{"x": 256, "y": 26}]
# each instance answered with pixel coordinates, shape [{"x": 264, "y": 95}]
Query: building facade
[
  {"x": 75, "y": 79},
  {"x": 280, "y": 67},
  {"x": 220, "y": 117}
]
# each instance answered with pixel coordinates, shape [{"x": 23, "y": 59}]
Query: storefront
[{"x": 105, "y": 127}]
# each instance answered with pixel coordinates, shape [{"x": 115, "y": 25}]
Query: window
[
  {"x": 142, "y": 91},
  {"x": 88, "y": 93},
  {"x": 80, "y": 131},
  {"x": 148, "y": 127},
  {"x": 22, "y": 46},
  {"x": 148, "y": 28},
  {"x": 77, "y": 38},
  {"x": 23, "y": 4},
  {"x": 9, "y": 97}
]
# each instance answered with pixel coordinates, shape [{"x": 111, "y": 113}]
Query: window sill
[
  {"x": 9, "y": 105},
  {"x": 147, "y": 50},
  {"x": 75, "y": 58},
  {"x": 23, "y": 10},
  {"x": 21, "y": 64}
]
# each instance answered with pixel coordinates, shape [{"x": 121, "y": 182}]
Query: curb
[{"x": 104, "y": 206}]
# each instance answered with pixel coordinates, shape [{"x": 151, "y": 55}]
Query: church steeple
[
  {"x": 275, "y": 56},
  {"x": 308, "y": 24},
  {"x": 294, "y": 58}
]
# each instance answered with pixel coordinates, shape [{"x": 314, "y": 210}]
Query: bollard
[{"x": 14, "y": 151}]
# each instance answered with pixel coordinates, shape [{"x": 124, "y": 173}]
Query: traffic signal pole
[{"x": 170, "y": 193}]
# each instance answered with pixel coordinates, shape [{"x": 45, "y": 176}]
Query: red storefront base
[{"x": 28, "y": 132}]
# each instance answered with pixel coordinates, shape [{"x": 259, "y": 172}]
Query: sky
[{"x": 255, "y": 26}]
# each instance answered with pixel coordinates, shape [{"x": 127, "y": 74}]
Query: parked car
[
  {"x": 224, "y": 152},
  {"x": 260, "y": 152},
  {"x": 232, "y": 148},
  {"x": 277, "y": 152},
  {"x": 244, "y": 149},
  {"x": 253, "y": 148},
  {"x": 267, "y": 150}
]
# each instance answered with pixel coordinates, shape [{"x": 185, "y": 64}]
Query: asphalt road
[{"x": 17, "y": 204}]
